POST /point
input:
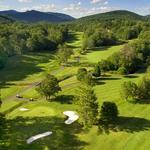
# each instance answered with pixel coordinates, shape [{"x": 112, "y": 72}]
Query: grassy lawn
[
  {"x": 94, "y": 56},
  {"x": 46, "y": 116}
]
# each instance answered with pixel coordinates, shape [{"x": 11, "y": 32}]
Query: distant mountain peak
[{"x": 34, "y": 16}]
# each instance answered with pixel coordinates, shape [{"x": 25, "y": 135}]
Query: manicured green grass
[
  {"x": 75, "y": 40},
  {"x": 24, "y": 70},
  {"x": 46, "y": 116},
  {"x": 94, "y": 56}
]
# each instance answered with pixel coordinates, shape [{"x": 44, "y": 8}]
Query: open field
[{"x": 21, "y": 74}]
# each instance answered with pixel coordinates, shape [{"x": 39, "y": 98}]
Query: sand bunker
[
  {"x": 36, "y": 137},
  {"x": 23, "y": 109},
  {"x": 72, "y": 116}
]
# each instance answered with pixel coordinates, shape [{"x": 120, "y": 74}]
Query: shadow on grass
[
  {"x": 63, "y": 137},
  {"x": 72, "y": 46},
  {"x": 131, "y": 76},
  {"x": 72, "y": 38},
  {"x": 98, "y": 81},
  {"x": 19, "y": 67},
  {"x": 106, "y": 75},
  {"x": 80, "y": 64},
  {"x": 5, "y": 85},
  {"x": 141, "y": 101},
  {"x": 105, "y": 78},
  {"x": 64, "y": 99},
  {"x": 110, "y": 78},
  {"x": 102, "y": 48},
  {"x": 133, "y": 124},
  {"x": 126, "y": 124}
]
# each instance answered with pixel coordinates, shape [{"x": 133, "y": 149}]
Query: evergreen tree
[
  {"x": 109, "y": 112},
  {"x": 88, "y": 106},
  {"x": 108, "y": 116}
]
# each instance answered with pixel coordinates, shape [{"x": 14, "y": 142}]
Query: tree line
[
  {"x": 131, "y": 58},
  {"x": 107, "y": 35},
  {"x": 17, "y": 38}
]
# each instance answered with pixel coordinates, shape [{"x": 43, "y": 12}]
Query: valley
[{"x": 27, "y": 70}]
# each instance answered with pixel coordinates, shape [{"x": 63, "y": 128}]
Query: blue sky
[{"x": 77, "y": 8}]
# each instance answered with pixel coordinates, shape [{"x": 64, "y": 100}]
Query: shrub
[
  {"x": 130, "y": 90},
  {"x": 144, "y": 88},
  {"x": 81, "y": 74},
  {"x": 148, "y": 70},
  {"x": 122, "y": 71},
  {"x": 109, "y": 112},
  {"x": 88, "y": 79},
  {"x": 97, "y": 71},
  {"x": 84, "y": 76},
  {"x": 137, "y": 92},
  {"x": 105, "y": 65}
]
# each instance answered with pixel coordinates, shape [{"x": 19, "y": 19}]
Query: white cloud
[
  {"x": 143, "y": 10},
  {"x": 96, "y": 1},
  {"x": 101, "y": 9},
  {"x": 4, "y": 7},
  {"x": 102, "y": 2},
  {"x": 78, "y": 10},
  {"x": 73, "y": 7},
  {"x": 106, "y": 2},
  {"x": 43, "y": 7},
  {"x": 79, "y": 3},
  {"x": 25, "y": 1}
]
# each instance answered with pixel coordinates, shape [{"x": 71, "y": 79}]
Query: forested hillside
[
  {"x": 118, "y": 14},
  {"x": 4, "y": 19},
  {"x": 37, "y": 16},
  {"x": 115, "y": 21},
  {"x": 19, "y": 38},
  {"x": 110, "y": 28}
]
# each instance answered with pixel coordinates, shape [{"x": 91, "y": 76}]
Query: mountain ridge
[
  {"x": 34, "y": 16},
  {"x": 117, "y": 14}
]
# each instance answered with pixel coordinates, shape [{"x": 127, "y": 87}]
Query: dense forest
[
  {"x": 5, "y": 19},
  {"x": 106, "y": 29},
  {"x": 17, "y": 38},
  {"x": 114, "y": 28}
]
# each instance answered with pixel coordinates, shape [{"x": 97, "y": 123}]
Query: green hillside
[
  {"x": 4, "y": 19},
  {"x": 37, "y": 16},
  {"x": 119, "y": 14}
]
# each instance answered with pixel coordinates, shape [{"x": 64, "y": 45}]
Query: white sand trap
[
  {"x": 72, "y": 116},
  {"x": 23, "y": 109},
  {"x": 36, "y": 137}
]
